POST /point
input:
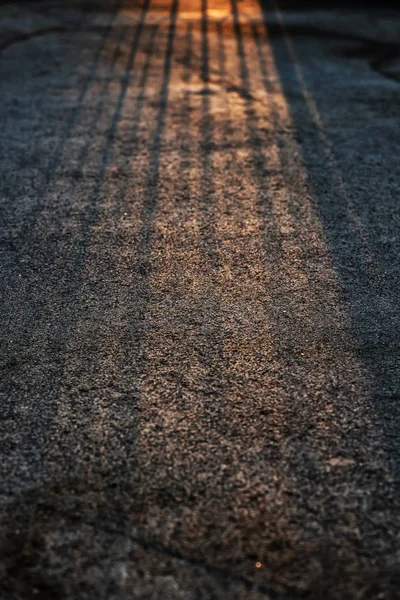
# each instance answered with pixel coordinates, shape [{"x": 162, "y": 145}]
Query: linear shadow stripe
[
  {"x": 24, "y": 235},
  {"x": 70, "y": 258},
  {"x": 151, "y": 193},
  {"x": 64, "y": 318}
]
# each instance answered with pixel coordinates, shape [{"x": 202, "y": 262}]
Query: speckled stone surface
[{"x": 199, "y": 257}]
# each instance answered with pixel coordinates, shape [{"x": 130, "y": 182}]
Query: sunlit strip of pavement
[{"x": 206, "y": 426}]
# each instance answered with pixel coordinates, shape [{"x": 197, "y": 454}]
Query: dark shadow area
[
  {"x": 21, "y": 236},
  {"x": 361, "y": 228},
  {"x": 48, "y": 252},
  {"x": 378, "y": 54},
  {"x": 21, "y": 552},
  {"x": 329, "y": 4},
  {"x": 11, "y": 38},
  {"x": 103, "y": 496}
]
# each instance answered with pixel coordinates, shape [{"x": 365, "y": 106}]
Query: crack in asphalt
[
  {"x": 17, "y": 37},
  {"x": 102, "y": 526}
]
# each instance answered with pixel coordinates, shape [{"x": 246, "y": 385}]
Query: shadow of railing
[
  {"x": 23, "y": 235},
  {"x": 35, "y": 444},
  {"x": 260, "y": 436},
  {"x": 92, "y": 480},
  {"x": 73, "y": 256}
]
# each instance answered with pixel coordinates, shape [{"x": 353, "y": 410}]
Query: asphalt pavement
[{"x": 199, "y": 254}]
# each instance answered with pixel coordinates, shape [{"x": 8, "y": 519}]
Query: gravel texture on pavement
[{"x": 199, "y": 240}]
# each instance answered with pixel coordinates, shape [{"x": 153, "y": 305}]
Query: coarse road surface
[{"x": 200, "y": 241}]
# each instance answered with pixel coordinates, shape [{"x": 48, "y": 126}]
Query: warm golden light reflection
[
  {"x": 212, "y": 226},
  {"x": 211, "y": 343}
]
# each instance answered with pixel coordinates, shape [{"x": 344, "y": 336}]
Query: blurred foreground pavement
[{"x": 200, "y": 363}]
